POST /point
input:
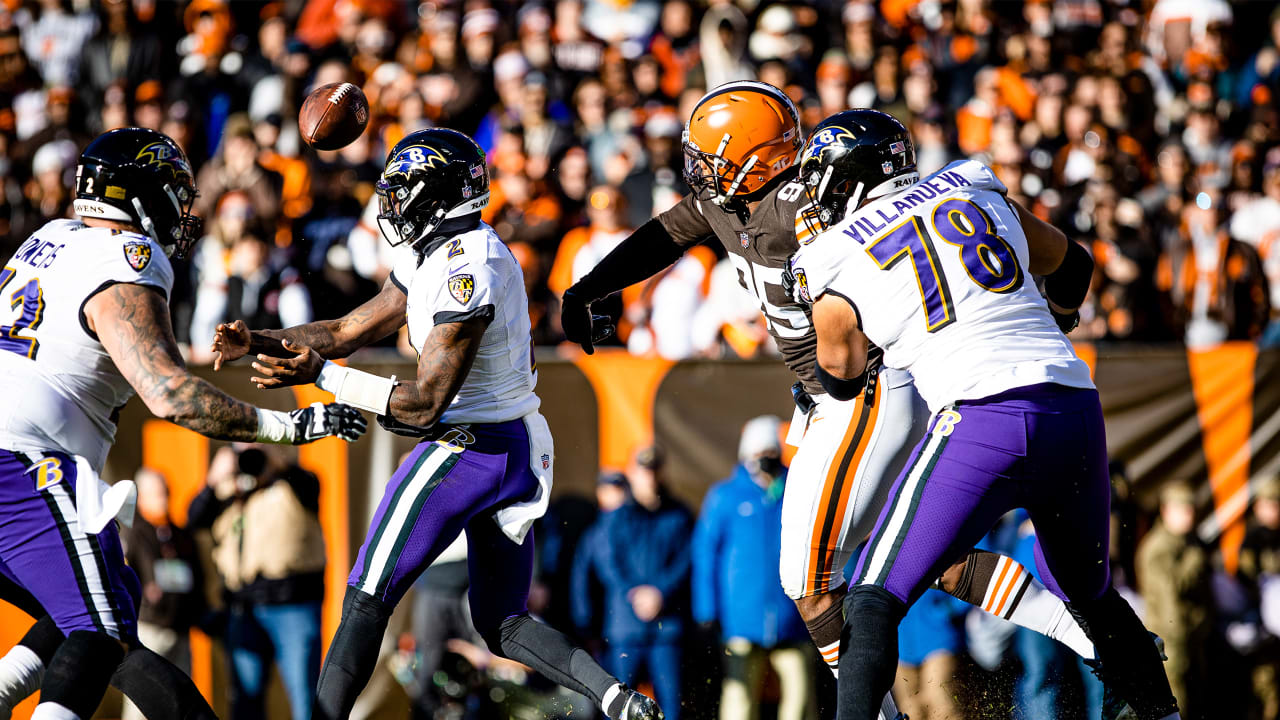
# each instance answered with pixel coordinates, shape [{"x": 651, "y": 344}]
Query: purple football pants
[
  {"x": 1042, "y": 448},
  {"x": 443, "y": 488},
  {"x": 79, "y": 579}
]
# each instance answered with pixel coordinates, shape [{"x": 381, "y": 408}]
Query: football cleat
[
  {"x": 639, "y": 707},
  {"x": 1113, "y": 706}
]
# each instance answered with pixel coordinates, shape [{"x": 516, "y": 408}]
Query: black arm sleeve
[
  {"x": 839, "y": 388},
  {"x": 1068, "y": 285},
  {"x": 647, "y": 251}
]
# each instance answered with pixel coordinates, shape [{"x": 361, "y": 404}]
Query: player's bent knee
[
  {"x": 872, "y": 599},
  {"x": 81, "y": 670},
  {"x": 497, "y": 632}
]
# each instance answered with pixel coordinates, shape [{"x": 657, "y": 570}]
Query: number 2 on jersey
[
  {"x": 31, "y": 301},
  {"x": 987, "y": 258}
]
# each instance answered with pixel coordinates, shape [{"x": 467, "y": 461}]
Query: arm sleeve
[
  {"x": 648, "y": 250},
  {"x": 706, "y": 553},
  {"x": 1068, "y": 285}
]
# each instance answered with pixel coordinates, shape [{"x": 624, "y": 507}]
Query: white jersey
[
  {"x": 475, "y": 275},
  {"x": 938, "y": 274},
  {"x": 62, "y": 390}
]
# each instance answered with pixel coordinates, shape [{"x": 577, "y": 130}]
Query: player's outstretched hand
[
  {"x": 321, "y": 421},
  {"x": 579, "y": 325},
  {"x": 230, "y": 343},
  {"x": 304, "y": 367}
]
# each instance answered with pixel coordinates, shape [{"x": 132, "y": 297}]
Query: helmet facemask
[
  {"x": 400, "y": 219},
  {"x": 187, "y": 228},
  {"x": 170, "y": 224},
  {"x": 712, "y": 177}
]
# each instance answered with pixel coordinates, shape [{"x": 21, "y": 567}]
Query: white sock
[
  {"x": 1016, "y": 596},
  {"x": 21, "y": 673},
  {"x": 831, "y": 656},
  {"x": 1045, "y": 613},
  {"x": 53, "y": 711},
  {"x": 605, "y": 701}
]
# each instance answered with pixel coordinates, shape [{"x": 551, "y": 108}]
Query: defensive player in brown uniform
[{"x": 741, "y": 145}]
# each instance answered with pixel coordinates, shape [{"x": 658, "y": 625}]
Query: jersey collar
[{"x": 448, "y": 230}]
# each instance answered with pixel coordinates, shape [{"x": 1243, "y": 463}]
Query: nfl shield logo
[
  {"x": 461, "y": 287},
  {"x": 546, "y": 461},
  {"x": 744, "y": 238},
  {"x": 137, "y": 254},
  {"x": 887, "y": 167},
  {"x": 466, "y": 191}
]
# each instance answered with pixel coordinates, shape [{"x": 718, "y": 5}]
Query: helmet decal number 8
[{"x": 987, "y": 258}]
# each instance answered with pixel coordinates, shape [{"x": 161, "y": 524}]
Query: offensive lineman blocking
[
  {"x": 741, "y": 144},
  {"x": 485, "y": 461},
  {"x": 936, "y": 272}
]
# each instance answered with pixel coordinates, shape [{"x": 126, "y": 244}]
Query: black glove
[
  {"x": 788, "y": 281},
  {"x": 393, "y": 425},
  {"x": 1066, "y": 321},
  {"x": 321, "y": 421},
  {"x": 793, "y": 288},
  {"x": 579, "y": 325}
]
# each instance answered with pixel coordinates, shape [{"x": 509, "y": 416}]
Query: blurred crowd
[{"x": 1146, "y": 129}]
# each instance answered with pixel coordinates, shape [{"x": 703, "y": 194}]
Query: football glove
[
  {"x": 789, "y": 283},
  {"x": 321, "y": 421},
  {"x": 580, "y": 325},
  {"x": 393, "y": 425}
]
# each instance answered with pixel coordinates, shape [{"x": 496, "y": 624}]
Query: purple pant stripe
[
  {"x": 79, "y": 579},
  {"x": 441, "y": 490}
]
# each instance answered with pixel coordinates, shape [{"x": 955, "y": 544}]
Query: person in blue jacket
[
  {"x": 735, "y": 582},
  {"x": 640, "y": 555}
]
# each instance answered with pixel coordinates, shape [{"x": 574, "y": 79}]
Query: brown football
[{"x": 333, "y": 116}]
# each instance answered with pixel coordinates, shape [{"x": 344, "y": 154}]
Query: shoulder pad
[{"x": 979, "y": 175}]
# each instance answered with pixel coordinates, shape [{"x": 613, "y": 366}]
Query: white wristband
[
  {"x": 356, "y": 387},
  {"x": 275, "y": 427}
]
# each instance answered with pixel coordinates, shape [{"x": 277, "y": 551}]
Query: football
[{"x": 333, "y": 116}]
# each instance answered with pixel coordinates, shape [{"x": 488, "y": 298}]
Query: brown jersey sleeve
[{"x": 685, "y": 224}]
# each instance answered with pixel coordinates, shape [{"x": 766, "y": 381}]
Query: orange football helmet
[{"x": 740, "y": 136}]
